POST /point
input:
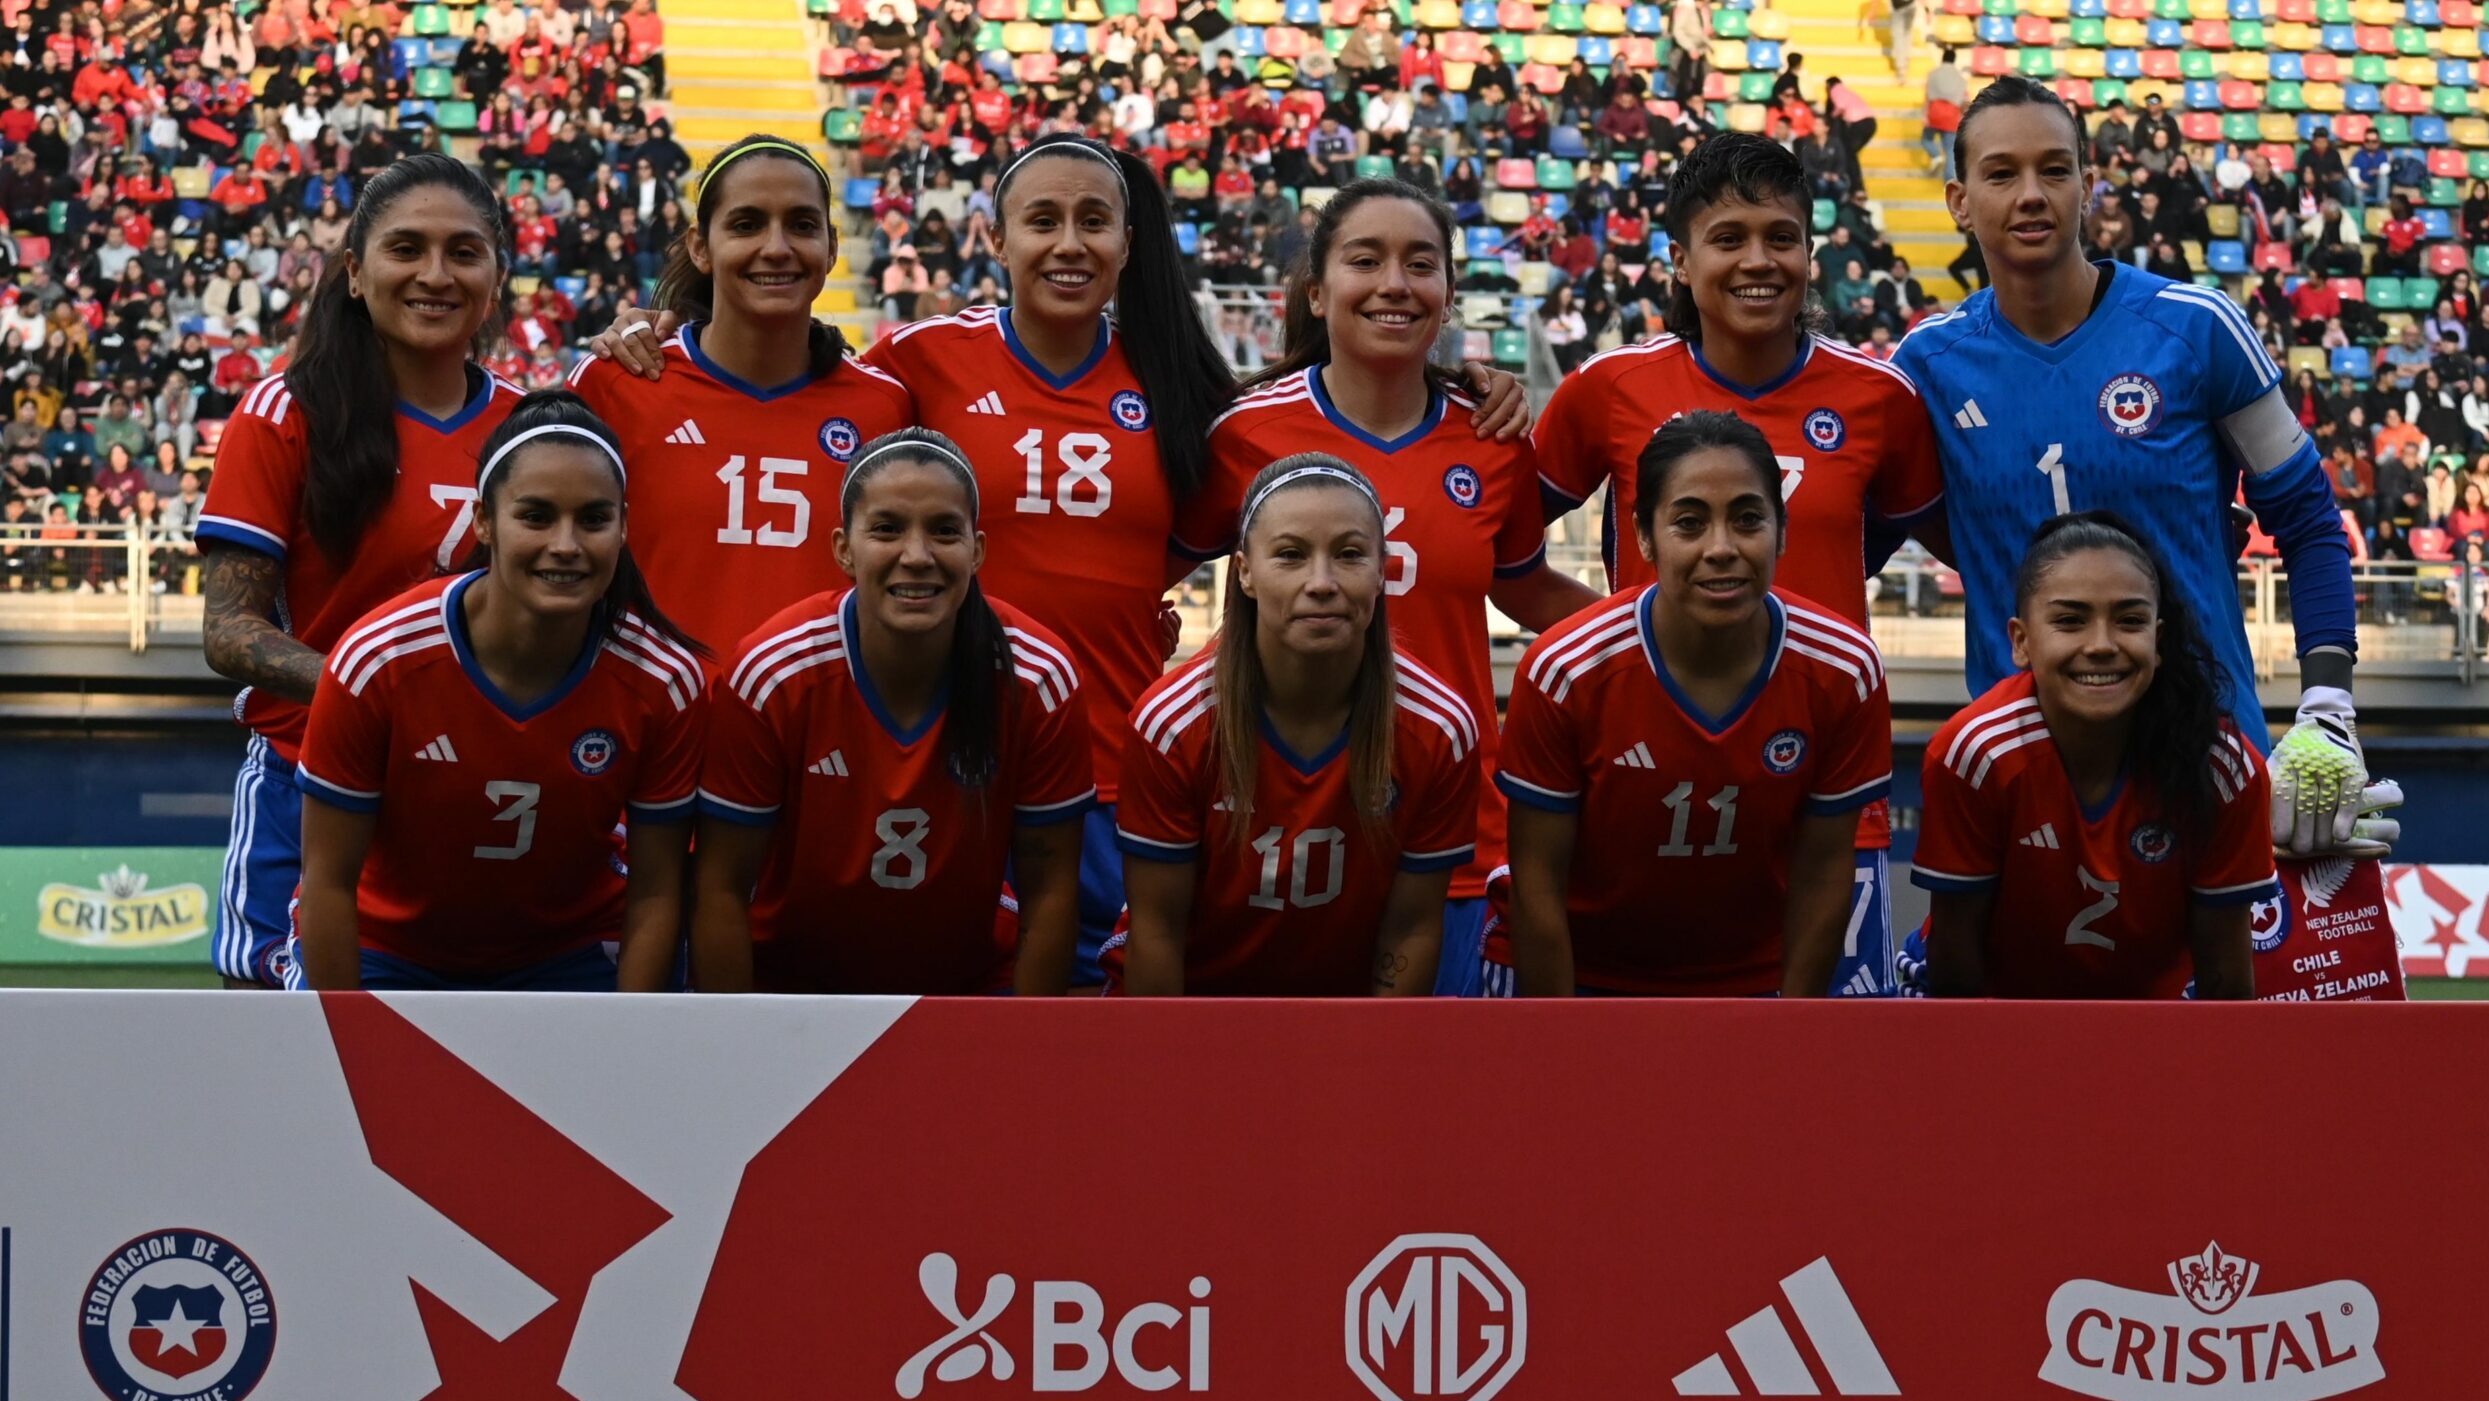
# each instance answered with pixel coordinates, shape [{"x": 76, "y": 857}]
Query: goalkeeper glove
[{"x": 2322, "y": 799}]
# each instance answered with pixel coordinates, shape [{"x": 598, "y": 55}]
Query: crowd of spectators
[{"x": 177, "y": 176}]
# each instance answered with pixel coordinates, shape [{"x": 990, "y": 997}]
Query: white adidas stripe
[{"x": 1771, "y": 1358}]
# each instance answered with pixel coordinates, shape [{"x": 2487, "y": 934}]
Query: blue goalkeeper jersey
[{"x": 2153, "y": 408}]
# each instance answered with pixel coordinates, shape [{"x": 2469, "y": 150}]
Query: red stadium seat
[
  {"x": 2359, "y": 542},
  {"x": 2239, "y": 96},
  {"x": 1517, "y": 16},
  {"x": 2445, "y": 259},
  {"x": 2033, "y": 32},
  {"x": 2458, "y": 14},
  {"x": 2285, "y": 159},
  {"x": 2373, "y": 38},
  {"x": 1717, "y": 87},
  {"x": 2351, "y": 128},
  {"x": 1988, "y": 61},
  {"x": 1516, "y": 174},
  {"x": 2211, "y": 33},
  {"x": 2259, "y": 544},
  {"x": 1968, "y": 9},
  {"x": 2448, "y": 162},
  {"x": 2431, "y": 544},
  {"x": 2296, "y": 12},
  {"x": 2323, "y": 67},
  {"x": 1464, "y": 46},
  {"x": 1642, "y": 55},
  {"x": 2202, "y": 127},
  {"x": 2130, "y": 9},
  {"x": 2077, "y": 93},
  {"x": 2272, "y": 257},
  {"x": 2163, "y": 64},
  {"x": 2349, "y": 289},
  {"x": 211, "y": 432},
  {"x": 1546, "y": 79},
  {"x": 2406, "y": 99}
]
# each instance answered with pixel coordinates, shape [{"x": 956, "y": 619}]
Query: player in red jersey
[
  {"x": 1850, "y": 434},
  {"x": 1095, "y": 430},
  {"x": 1296, "y": 798},
  {"x": 1687, "y": 761},
  {"x": 740, "y": 446},
  {"x": 318, "y": 511},
  {"x": 1461, "y": 516},
  {"x": 475, "y": 740},
  {"x": 879, "y": 753},
  {"x": 2100, "y": 795}
]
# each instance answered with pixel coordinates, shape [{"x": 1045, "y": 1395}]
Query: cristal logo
[
  {"x": 2212, "y": 1335},
  {"x": 1067, "y": 1317},
  {"x": 1436, "y": 1315}
]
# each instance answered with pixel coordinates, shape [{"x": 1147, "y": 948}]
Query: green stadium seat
[
  {"x": 2106, "y": 90},
  {"x": 1730, "y": 24},
  {"x": 434, "y": 83},
  {"x": 1514, "y": 49},
  {"x": 2197, "y": 65},
  {"x": 2444, "y": 192},
  {"x": 1754, "y": 87},
  {"x": 2039, "y": 65},
  {"x": 2177, "y": 10},
  {"x": 2411, "y": 41},
  {"x": 2393, "y": 128},
  {"x": 2239, "y": 127},
  {"x": 1567, "y": 18},
  {"x": 1824, "y": 215},
  {"x": 2386, "y": 294},
  {"x": 2450, "y": 102},
  {"x": 430, "y": 22},
  {"x": 1045, "y": 11},
  {"x": 2248, "y": 34},
  {"x": 1512, "y": 347},
  {"x": 2286, "y": 97},
  {"x": 2001, "y": 9},
  {"x": 2371, "y": 69},
  {"x": 818, "y": 9},
  {"x": 1374, "y": 167},
  {"x": 2090, "y": 34},
  {"x": 57, "y": 217},
  {"x": 2421, "y": 293},
  {"x": 1122, "y": 9},
  {"x": 842, "y": 126},
  {"x": 2480, "y": 261},
  {"x": 1554, "y": 174},
  {"x": 2479, "y": 164},
  {"x": 2333, "y": 12},
  {"x": 457, "y": 116}
]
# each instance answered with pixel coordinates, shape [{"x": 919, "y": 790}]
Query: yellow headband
[{"x": 789, "y": 148}]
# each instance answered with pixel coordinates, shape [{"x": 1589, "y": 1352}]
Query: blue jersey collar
[
  {"x": 1718, "y": 725},
  {"x": 872, "y": 697},
  {"x": 1296, "y": 761},
  {"x": 1426, "y": 423},
  {"x": 454, "y": 616},
  {"x": 1806, "y": 352},
  {"x": 479, "y": 394},
  {"x": 1019, "y": 352},
  {"x": 2063, "y": 349},
  {"x": 715, "y": 371}
]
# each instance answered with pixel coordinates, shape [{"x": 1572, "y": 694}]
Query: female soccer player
[
  {"x": 476, "y": 739},
  {"x": 877, "y": 755},
  {"x": 1687, "y": 761},
  {"x": 1095, "y": 430},
  {"x": 741, "y": 444},
  {"x": 1461, "y": 517},
  {"x": 2112, "y": 385},
  {"x": 2095, "y": 825},
  {"x": 1848, "y": 432},
  {"x": 1298, "y": 796},
  {"x": 338, "y": 484}
]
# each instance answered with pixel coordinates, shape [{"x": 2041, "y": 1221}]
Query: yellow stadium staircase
[
  {"x": 1915, "y": 219},
  {"x": 739, "y": 66}
]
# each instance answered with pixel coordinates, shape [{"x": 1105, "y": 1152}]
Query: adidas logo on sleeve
[
  {"x": 988, "y": 403},
  {"x": 2045, "y": 838},
  {"x": 1638, "y": 757},
  {"x": 687, "y": 435}
]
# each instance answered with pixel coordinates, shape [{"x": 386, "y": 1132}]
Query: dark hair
[
  {"x": 2011, "y": 90},
  {"x": 628, "y": 595},
  {"x": 682, "y": 288},
  {"x": 1242, "y": 690},
  {"x": 340, "y": 376},
  {"x": 1185, "y": 378},
  {"x": 2178, "y": 722},
  {"x": 1686, "y": 434},
  {"x": 1307, "y": 341},
  {"x": 980, "y": 646},
  {"x": 1740, "y": 165}
]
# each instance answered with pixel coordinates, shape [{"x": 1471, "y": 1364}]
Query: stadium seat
[
  {"x": 2039, "y": 65},
  {"x": 1374, "y": 167},
  {"x": 2443, "y": 192},
  {"x": 2273, "y": 257},
  {"x": 2211, "y": 33},
  {"x": 1763, "y": 54},
  {"x": 2125, "y": 64},
  {"x": 2321, "y": 67},
  {"x": 2445, "y": 163},
  {"x": 1507, "y": 206},
  {"x": 2286, "y": 68},
  {"x": 2287, "y": 97},
  {"x": 2241, "y": 97},
  {"x": 1512, "y": 348},
  {"x": 1822, "y": 215},
  {"x": 2308, "y": 359},
  {"x": 2226, "y": 256},
  {"x": 2160, "y": 65},
  {"x": 1597, "y": 50},
  {"x": 2352, "y": 362},
  {"x": 2445, "y": 259},
  {"x": 429, "y": 21},
  {"x": 1646, "y": 19},
  {"x": 2203, "y": 128},
  {"x": 455, "y": 116},
  {"x": 2031, "y": 29},
  {"x": 1188, "y": 239},
  {"x": 2247, "y": 66},
  {"x": 2222, "y": 219},
  {"x": 2339, "y": 39},
  {"x": 2088, "y": 33},
  {"x": 2431, "y": 545},
  {"x": 859, "y": 192},
  {"x": 1567, "y": 143},
  {"x": 2386, "y": 294}
]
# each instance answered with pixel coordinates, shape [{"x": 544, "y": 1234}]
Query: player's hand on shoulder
[
  {"x": 636, "y": 340},
  {"x": 1503, "y": 411}
]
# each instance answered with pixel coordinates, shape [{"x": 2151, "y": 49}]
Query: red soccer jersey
[
  {"x": 884, "y": 873},
  {"x": 1681, "y": 859},
  {"x": 734, "y": 489},
  {"x": 254, "y": 501},
  {"x": 1849, "y": 431},
  {"x": 2091, "y": 904},
  {"x": 496, "y": 846},
  {"x": 1077, "y": 515},
  {"x": 1295, "y": 910},
  {"x": 1458, "y": 513}
]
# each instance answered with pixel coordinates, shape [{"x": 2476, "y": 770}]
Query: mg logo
[{"x": 1436, "y": 1315}]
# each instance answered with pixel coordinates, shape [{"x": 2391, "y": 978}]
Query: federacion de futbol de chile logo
[
  {"x": 593, "y": 752},
  {"x": 1825, "y": 432},
  {"x": 1130, "y": 411},
  {"x": 177, "y": 1315},
  {"x": 1461, "y": 484},
  {"x": 2131, "y": 405},
  {"x": 840, "y": 438}
]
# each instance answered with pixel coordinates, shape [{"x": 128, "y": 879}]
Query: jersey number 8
[{"x": 899, "y": 863}]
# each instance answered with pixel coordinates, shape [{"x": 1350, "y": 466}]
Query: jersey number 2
[{"x": 2080, "y": 931}]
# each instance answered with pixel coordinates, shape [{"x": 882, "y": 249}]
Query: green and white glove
[{"x": 2323, "y": 802}]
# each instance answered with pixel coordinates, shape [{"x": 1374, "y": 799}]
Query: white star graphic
[{"x": 180, "y": 1332}]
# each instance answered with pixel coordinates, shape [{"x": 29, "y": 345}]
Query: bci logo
[
  {"x": 1437, "y": 1316},
  {"x": 1072, "y": 1341}
]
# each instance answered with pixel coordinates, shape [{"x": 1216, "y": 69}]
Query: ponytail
[
  {"x": 689, "y": 293},
  {"x": 627, "y": 594},
  {"x": 340, "y": 376},
  {"x": 1187, "y": 381},
  {"x": 2180, "y": 719}
]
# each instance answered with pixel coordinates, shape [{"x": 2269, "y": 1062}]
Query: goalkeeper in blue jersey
[{"x": 2069, "y": 385}]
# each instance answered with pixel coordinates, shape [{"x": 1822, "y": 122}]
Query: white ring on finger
[{"x": 635, "y": 328}]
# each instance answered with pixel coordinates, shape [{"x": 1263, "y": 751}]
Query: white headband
[
  {"x": 493, "y": 463},
  {"x": 1288, "y": 478},
  {"x": 855, "y": 474},
  {"x": 1075, "y": 148}
]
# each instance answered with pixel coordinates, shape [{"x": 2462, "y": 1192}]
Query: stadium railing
[{"x": 135, "y": 580}]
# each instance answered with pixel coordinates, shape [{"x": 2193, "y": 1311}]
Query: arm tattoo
[{"x": 240, "y": 637}]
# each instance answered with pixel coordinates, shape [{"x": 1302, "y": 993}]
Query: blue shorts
[
  {"x": 588, "y": 970},
  {"x": 263, "y": 864},
  {"x": 1866, "y": 967},
  {"x": 1101, "y": 893},
  {"x": 1460, "y": 972}
]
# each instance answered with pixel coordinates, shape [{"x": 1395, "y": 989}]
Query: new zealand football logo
[
  {"x": 840, "y": 439},
  {"x": 2152, "y": 842},
  {"x": 1463, "y": 486},
  {"x": 2131, "y": 405},
  {"x": 1783, "y": 752},
  {"x": 1825, "y": 432},
  {"x": 1130, "y": 410},
  {"x": 593, "y": 752},
  {"x": 176, "y": 1315}
]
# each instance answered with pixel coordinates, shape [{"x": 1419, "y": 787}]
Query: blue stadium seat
[
  {"x": 2351, "y": 362},
  {"x": 1524, "y": 307},
  {"x": 1659, "y": 243},
  {"x": 2165, "y": 34},
  {"x": 2125, "y": 64},
  {"x": 2339, "y": 38},
  {"x": 1646, "y": 20},
  {"x": 571, "y": 285},
  {"x": 860, "y": 192},
  {"x": 2454, "y": 73},
  {"x": 419, "y": 109},
  {"x": 2203, "y": 95},
  {"x": 445, "y": 53},
  {"x": 2437, "y": 222},
  {"x": 2246, "y": 9},
  {"x": 2361, "y": 97},
  {"x": 2429, "y": 131},
  {"x": 1995, "y": 29},
  {"x": 2289, "y": 68},
  {"x": 1188, "y": 239},
  {"x": 414, "y": 53},
  {"x": 1763, "y": 55},
  {"x": 1248, "y": 43},
  {"x": 1479, "y": 14},
  {"x": 1307, "y": 14},
  {"x": 1567, "y": 143},
  {"x": 2422, "y": 13},
  {"x": 1071, "y": 38},
  {"x": 1559, "y": 204},
  {"x": 2090, "y": 9},
  {"x": 1458, "y": 104},
  {"x": 997, "y": 62},
  {"x": 2226, "y": 256},
  {"x": 1599, "y": 51}
]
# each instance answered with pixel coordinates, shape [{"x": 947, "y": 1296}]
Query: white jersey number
[
  {"x": 1680, "y": 805},
  {"x": 1082, "y": 490},
  {"x": 518, "y": 805},
  {"x": 770, "y": 493},
  {"x": 1399, "y": 556},
  {"x": 461, "y": 521},
  {"x": 1328, "y": 845},
  {"x": 2080, "y": 931},
  {"x": 900, "y": 863},
  {"x": 1792, "y": 472}
]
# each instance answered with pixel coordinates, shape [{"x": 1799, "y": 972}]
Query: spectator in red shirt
[
  {"x": 239, "y": 196},
  {"x": 238, "y": 369},
  {"x": 1576, "y": 252},
  {"x": 645, "y": 51},
  {"x": 2398, "y": 252},
  {"x": 18, "y": 122},
  {"x": 99, "y": 82}
]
